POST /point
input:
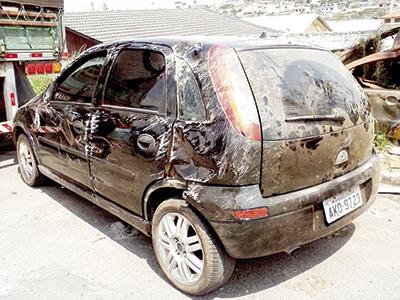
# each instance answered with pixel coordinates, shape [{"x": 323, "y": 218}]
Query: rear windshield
[{"x": 292, "y": 83}]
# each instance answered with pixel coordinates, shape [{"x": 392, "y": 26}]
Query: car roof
[{"x": 239, "y": 42}]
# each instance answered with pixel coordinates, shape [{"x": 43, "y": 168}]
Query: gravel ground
[{"x": 56, "y": 245}]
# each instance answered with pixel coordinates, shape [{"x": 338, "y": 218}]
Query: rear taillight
[
  {"x": 233, "y": 91},
  {"x": 43, "y": 68},
  {"x": 48, "y": 68},
  {"x": 40, "y": 69},
  {"x": 56, "y": 67}
]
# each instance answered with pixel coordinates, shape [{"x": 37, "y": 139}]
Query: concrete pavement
[{"x": 56, "y": 245}]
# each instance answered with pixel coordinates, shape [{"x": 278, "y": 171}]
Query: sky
[{"x": 86, "y": 5}]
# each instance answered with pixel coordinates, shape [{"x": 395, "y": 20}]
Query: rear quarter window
[{"x": 191, "y": 106}]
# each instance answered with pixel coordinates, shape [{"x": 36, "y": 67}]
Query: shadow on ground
[
  {"x": 7, "y": 157},
  {"x": 250, "y": 276}
]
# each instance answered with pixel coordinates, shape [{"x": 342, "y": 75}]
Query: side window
[
  {"x": 137, "y": 80},
  {"x": 191, "y": 106},
  {"x": 81, "y": 84}
]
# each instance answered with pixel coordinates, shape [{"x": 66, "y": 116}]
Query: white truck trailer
[{"x": 32, "y": 41}]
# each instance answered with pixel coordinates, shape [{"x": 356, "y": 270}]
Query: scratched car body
[{"x": 217, "y": 150}]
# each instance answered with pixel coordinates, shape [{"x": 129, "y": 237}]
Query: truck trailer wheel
[
  {"x": 27, "y": 162},
  {"x": 188, "y": 252}
]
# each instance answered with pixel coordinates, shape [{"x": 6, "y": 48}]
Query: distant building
[
  {"x": 295, "y": 23},
  {"x": 354, "y": 25},
  {"x": 334, "y": 41},
  {"x": 384, "y": 4},
  {"x": 391, "y": 20},
  {"x": 329, "y": 8}
]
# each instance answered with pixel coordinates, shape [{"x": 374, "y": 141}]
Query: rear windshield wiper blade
[{"x": 315, "y": 118}]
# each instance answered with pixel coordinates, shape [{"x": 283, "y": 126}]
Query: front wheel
[
  {"x": 27, "y": 163},
  {"x": 188, "y": 252}
]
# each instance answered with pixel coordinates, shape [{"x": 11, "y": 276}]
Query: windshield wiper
[{"x": 316, "y": 118}]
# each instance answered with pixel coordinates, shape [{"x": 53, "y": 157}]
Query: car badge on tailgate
[{"x": 342, "y": 157}]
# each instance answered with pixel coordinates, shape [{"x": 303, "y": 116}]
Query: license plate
[{"x": 342, "y": 204}]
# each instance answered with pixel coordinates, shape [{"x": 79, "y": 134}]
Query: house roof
[
  {"x": 355, "y": 25},
  {"x": 392, "y": 15},
  {"x": 295, "y": 23},
  {"x": 334, "y": 41},
  {"x": 106, "y": 26}
]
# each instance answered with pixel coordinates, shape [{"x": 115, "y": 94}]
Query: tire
[
  {"x": 27, "y": 163},
  {"x": 213, "y": 266}
]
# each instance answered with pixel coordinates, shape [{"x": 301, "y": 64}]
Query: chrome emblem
[{"x": 342, "y": 157}]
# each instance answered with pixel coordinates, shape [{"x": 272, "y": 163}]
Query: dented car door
[
  {"x": 130, "y": 127},
  {"x": 61, "y": 122}
]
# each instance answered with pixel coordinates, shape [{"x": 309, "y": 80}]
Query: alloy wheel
[
  {"x": 25, "y": 159},
  {"x": 180, "y": 248}
]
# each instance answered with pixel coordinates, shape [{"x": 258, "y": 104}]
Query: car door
[
  {"x": 130, "y": 132},
  {"x": 61, "y": 122}
]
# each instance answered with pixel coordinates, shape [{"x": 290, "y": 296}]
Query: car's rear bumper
[{"x": 297, "y": 218}]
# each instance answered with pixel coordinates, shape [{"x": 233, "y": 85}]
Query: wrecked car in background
[
  {"x": 377, "y": 69},
  {"x": 217, "y": 150}
]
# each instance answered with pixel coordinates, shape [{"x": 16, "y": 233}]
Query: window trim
[
  {"x": 136, "y": 109},
  {"x": 71, "y": 69},
  {"x": 133, "y": 109},
  {"x": 70, "y": 103}
]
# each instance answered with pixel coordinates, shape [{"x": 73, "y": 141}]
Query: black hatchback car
[{"x": 218, "y": 150}]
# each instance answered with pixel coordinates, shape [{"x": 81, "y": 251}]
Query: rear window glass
[{"x": 290, "y": 83}]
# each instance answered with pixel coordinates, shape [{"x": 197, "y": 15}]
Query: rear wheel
[
  {"x": 188, "y": 252},
  {"x": 27, "y": 163}
]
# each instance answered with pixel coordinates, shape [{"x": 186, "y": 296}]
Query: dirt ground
[{"x": 56, "y": 245}]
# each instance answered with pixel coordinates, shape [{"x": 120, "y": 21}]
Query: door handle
[{"x": 146, "y": 143}]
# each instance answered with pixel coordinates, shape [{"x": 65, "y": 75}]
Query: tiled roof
[
  {"x": 294, "y": 23},
  {"x": 393, "y": 14},
  {"x": 334, "y": 41},
  {"x": 353, "y": 25},
  {"x": 108, "y": 26}
]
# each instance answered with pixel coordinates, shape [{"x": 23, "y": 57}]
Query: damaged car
[
  {"x": 219, "y": 149},
  {"x": 377, "y": 70}
]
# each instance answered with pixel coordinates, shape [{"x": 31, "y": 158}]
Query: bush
[
  {"x": 40, "y": 83},
  {"x": 381, "y": 141}
]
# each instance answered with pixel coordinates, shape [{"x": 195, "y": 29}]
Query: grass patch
[
  {"x": 381, "y": 141},
  {"x": 40, "y": 83}
]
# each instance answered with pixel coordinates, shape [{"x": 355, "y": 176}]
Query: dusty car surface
[{"x": 217, "y": 150}]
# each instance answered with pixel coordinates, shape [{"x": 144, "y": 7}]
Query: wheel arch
[
  {"x": 163, "y": 190},
  {"x": 158, "y": 192},
  {"x": 19, "y": 129}
]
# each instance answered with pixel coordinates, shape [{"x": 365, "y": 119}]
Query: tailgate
[{"x": 315, "y": 117}]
